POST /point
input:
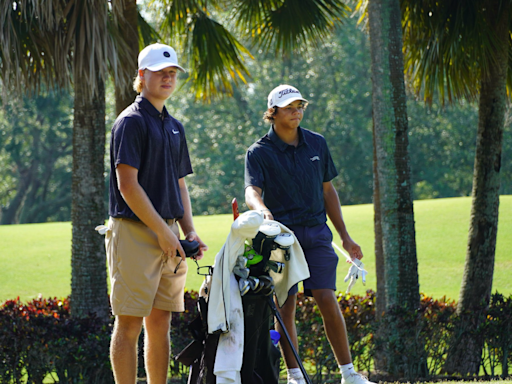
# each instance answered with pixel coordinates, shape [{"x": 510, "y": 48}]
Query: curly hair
[{"x": 268, "y": 116}]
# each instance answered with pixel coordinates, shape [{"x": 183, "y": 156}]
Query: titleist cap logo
[
  {"x": 287, "y": 91},
  {"x": 283, "y": 95}
]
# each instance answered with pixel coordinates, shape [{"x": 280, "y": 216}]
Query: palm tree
[
  {"x": 59, "y": 44},
  {"x": 394, "y": 185},
  {"x": 461, "y": 49}
]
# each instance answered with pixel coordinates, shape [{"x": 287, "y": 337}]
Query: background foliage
[{"x": 335, "y": 77}]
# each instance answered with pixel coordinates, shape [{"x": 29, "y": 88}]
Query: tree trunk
[
  {"x": 393, "y": 172},
  {"x": 379, "y": 252},
  {"x": 476, "y": 285},
  {"x": 380, "y": 307},
  {"x": 88, "y": 262},
  {"x": 125, "y": 95}
]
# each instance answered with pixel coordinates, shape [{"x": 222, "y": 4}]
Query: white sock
[
  {"x": 347, "y": 369},
  {"x": 294, "y": 373}
]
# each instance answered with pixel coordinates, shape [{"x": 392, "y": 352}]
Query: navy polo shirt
[
  {"x": 155, "y": 144},
  {"x": 291, "y": 178}
]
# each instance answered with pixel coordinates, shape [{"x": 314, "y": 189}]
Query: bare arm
[
  {"x": 333, "y": 209},
  {"x": 139, "y": 203},
  {"x": 254, "y": 201},
  {"x": 186, "y": 222}
]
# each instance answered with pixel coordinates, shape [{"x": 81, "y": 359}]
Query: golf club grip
[
  {"x": 191, "y": 248},
  {"x": 234, "y": 208}
]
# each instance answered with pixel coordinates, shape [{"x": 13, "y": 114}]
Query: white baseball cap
[
  {"x": 158, "y": 56},
  {"x": 283, "y": 95}
]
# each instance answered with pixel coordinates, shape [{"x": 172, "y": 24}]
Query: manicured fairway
[{"x": 36, "y": 258}]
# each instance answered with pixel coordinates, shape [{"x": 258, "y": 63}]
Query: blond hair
[{"x": 137, "y": 83}]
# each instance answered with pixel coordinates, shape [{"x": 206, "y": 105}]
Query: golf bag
[{"x": 253, "y": 271}]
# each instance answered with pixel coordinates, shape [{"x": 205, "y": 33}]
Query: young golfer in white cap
[
  {"x": 288, "y": 175},
  {"x": 148, "y": 197}
]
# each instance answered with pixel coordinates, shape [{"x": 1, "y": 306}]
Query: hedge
[{"x": 41, "y": 340}]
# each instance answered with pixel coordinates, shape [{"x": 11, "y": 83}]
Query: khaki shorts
[{"x": 139, "y": 276}]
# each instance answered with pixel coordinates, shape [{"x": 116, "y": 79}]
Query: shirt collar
[
  {"x": 280, "y": 144},
  {"x": 150, "y": 108}
]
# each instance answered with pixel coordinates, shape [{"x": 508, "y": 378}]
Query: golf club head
[
  {"x": 284, "y": 240},
  {"x": 243, "y": 285},
  {"x": 254, "y": 283},
  {"x": 241, "y": 272},
  {"x": 267, "y": 285},
  {"x": 241, "y": 261},
  {"x": 270, "y": 229},
  {"x": 275, "y": 266}
]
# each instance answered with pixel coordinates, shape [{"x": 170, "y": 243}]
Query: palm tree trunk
[
  {"x": 393, "y": 172},
  {"x": 476, "y": 285},
  {"x": 88, "y": 262},
  {"x": 125, "y": 95},
  {"x": 380, "y": 307},
  {"x": 379, "y": 251}
]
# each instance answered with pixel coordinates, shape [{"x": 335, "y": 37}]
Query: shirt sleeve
[
  {"x": 253, "y": 171},
  {"x": 185, "y": 167},
  {"x": 330, "y": 171},
  {"x": 128, "y": 142}
]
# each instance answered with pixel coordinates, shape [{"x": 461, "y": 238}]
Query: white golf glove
[
  {"x": 102, "y": 229},
  {"x": 355, "y": 271}
]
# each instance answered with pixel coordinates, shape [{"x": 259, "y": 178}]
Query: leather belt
[{"x": 168, "y": 221}]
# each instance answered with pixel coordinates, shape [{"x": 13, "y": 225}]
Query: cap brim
[
  {"x": 286, "y": 102},
  {"x": 162, "y": 65}
]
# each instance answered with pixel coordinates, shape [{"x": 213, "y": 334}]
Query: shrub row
[
  {"x": 40, "y": 339},
  {"x": 433, "y": 326}
]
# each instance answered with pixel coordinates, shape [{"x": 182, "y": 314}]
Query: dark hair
[{"x": 268, "y": 116}]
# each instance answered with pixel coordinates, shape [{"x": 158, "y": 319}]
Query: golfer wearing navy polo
[
  {"x": 288, "y": 175},
  {"x": 148, "y": 199}
]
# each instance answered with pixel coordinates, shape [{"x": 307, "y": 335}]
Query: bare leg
[
  {"x": 123, "y": 348},
  {"x": 287, "y": 312},
  {"x": 334, "y": 324},
  {"x": 157, "y": 345}
]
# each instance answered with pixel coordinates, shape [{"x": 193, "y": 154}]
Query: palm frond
[
  {"x": 49, "y": 42},
  {"x": 177, "y": 14},
  {"x": 448, "y": 46},
  {"x": 28, "y": 55},
  {"x": 147, "y": 34},
  {"x": 215, "y": 57},
  {"x": 288, "y": 25}
]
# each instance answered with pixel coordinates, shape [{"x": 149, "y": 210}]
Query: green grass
[{"x": 36, "y": 258}]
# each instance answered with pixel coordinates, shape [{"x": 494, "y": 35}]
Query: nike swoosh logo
[
  {"x": 315, "y": 158},
  {"x": 175, "y": 132}
]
